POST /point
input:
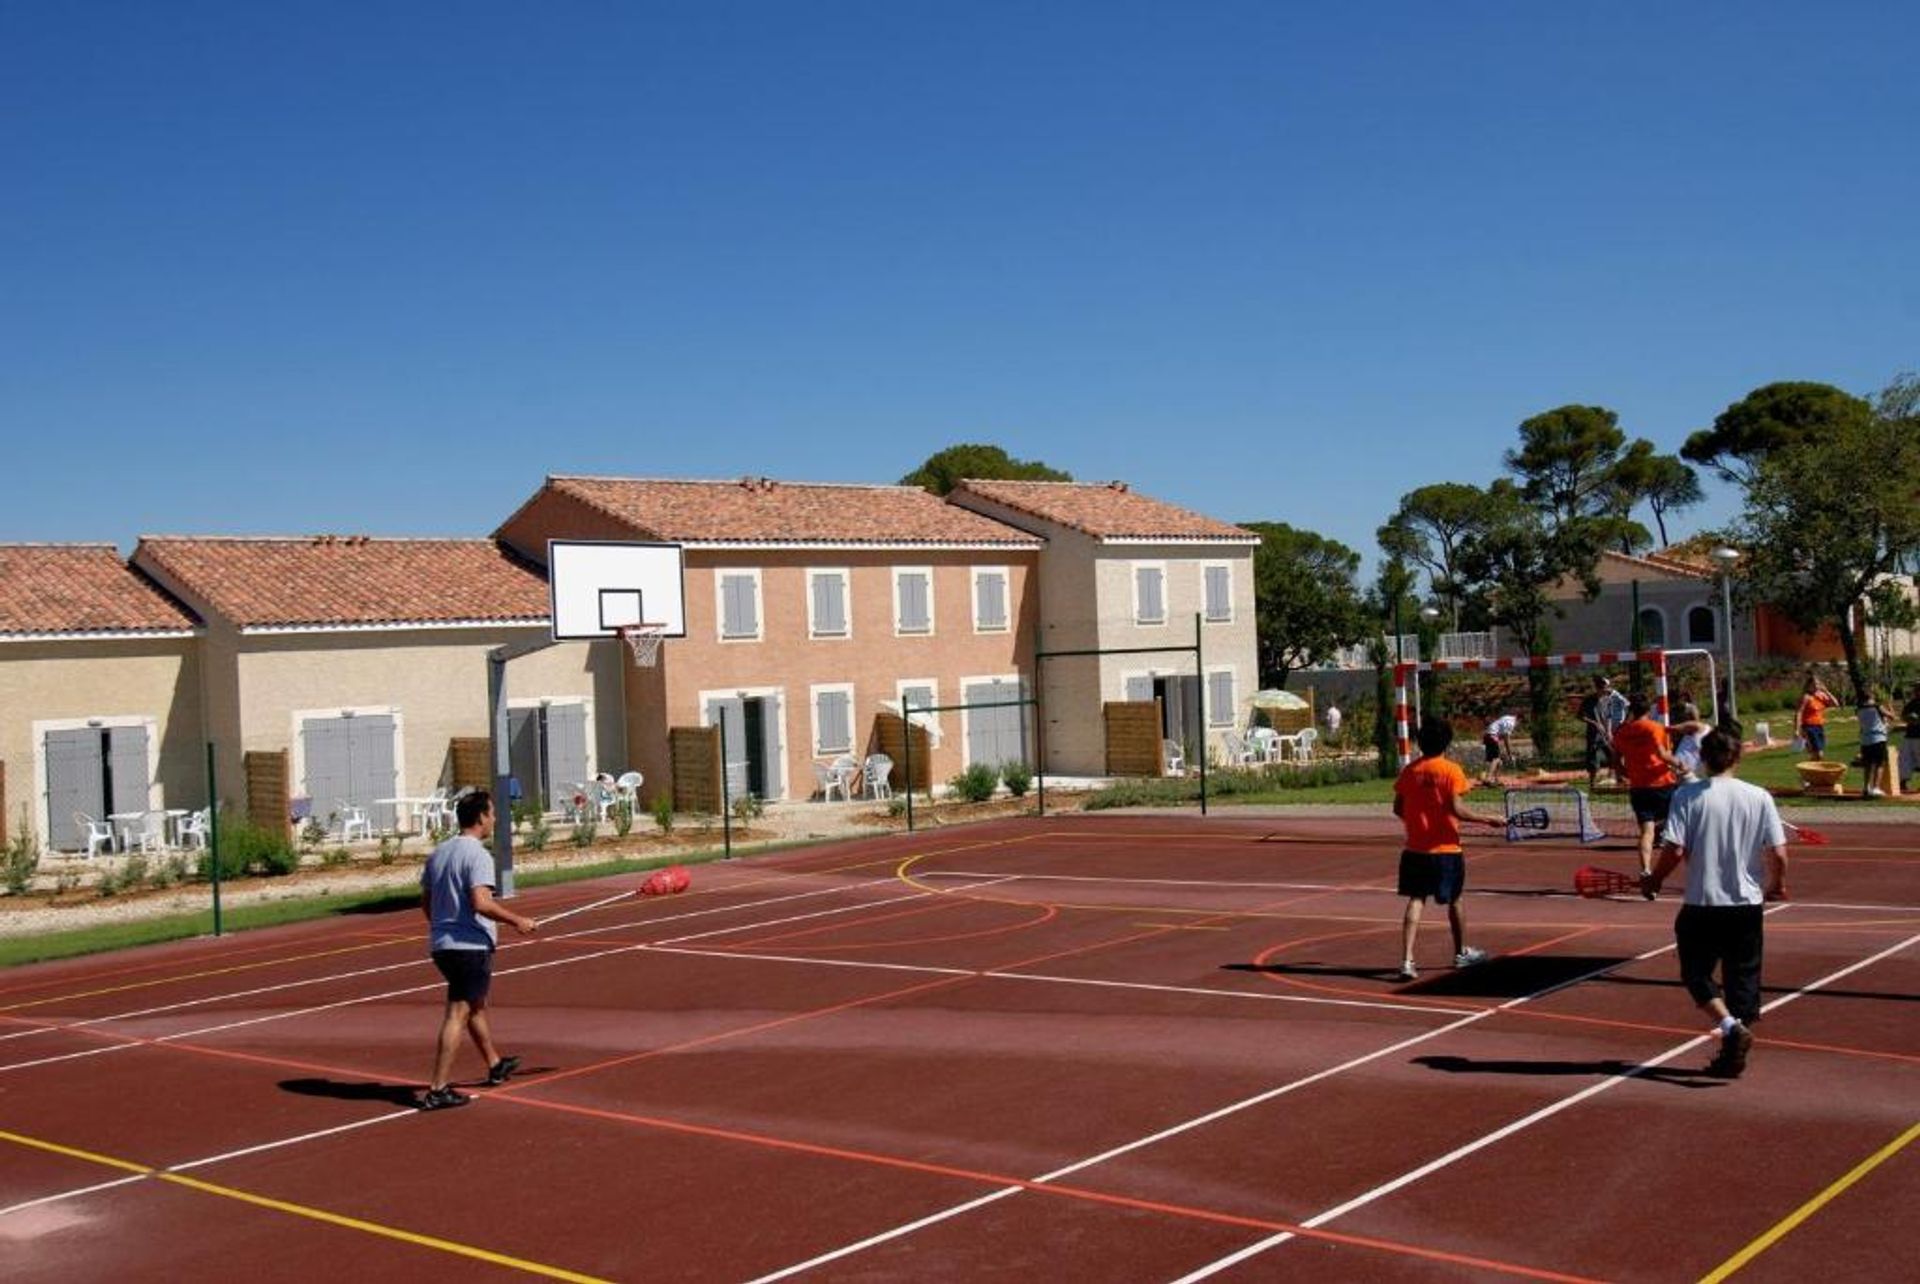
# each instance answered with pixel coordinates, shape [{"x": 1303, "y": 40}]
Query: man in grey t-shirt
[
  {"x": 456, "y": 895},
  {"x": 1729, "y": 834}
]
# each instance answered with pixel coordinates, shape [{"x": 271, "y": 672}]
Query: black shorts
[
  {"x": 1726, "y": 937},
  {"x": 1874, "y": 755},
  {"x": 469, "y": 974},
  {"x": 1597, "y": 755},
  {"x": 1436, "y": 876},
  {"x": 1650, "y": 806},
  {"x": 1491, "y": 747}
]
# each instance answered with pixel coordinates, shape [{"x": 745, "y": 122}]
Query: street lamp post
[{"x": 1726, "y": 557}]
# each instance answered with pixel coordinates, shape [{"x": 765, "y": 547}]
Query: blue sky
[{"x": 380, "y": 267}]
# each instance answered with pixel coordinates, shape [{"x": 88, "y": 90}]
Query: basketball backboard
[{"x": 599, "y": 587}]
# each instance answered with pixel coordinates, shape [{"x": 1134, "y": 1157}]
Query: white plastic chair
[
  {"x": 850, "y": 772},
  {"x": 628, "y": 786},
  {"x": 1234, "y": 750},
  {"x": 826, "y": 780},
  {"x": 193, "y": 830},
  {"x": 353, "y": 818},
  {"x": 98, "y": 833},
  {"x": 1176, "y": 758},
  {"x": 879, "y": 776},
  {"x": 147, "y": 834},
  {"x": 1303, "y": 744}
]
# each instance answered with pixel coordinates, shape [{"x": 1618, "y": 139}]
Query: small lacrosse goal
[{"x": 1561, "y": 811}]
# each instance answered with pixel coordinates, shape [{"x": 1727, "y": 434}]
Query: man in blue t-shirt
[{"x": 456, "y": 895}]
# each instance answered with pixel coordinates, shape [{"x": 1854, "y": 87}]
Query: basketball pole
[{"x": 502, "y": 761}]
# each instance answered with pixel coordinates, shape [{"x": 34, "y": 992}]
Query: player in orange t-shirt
[
  {"x": 1810, "y": 720},
  {"x": 1426, "y": 798},
  {"x": 1644, "y": 751}
]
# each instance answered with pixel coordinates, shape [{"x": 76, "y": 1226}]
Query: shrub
[
  {"x": 1018, "y": 776},
  {"x": 584, "y": 831},
  {"x": 22, "y": 856},
  {"x": 338, "y": 856},
  {"x": 623, "y": 815},
  {"x": 389, "y": 850},
  {"x": 976, "y": 783},
  {"x": 247, "y": 848},
  {"x": 133, "y": 874},
  {"x": 313, "y": 833},
  {"x": 897, "y": 805},
  {"x": 523, "y": 812},
  {"x": 65, "y": 879},
  {"x": 748, "y": 807},
  {"x": 663, "y": 813},
  {"x": 170, "y": 871},
  {"x": 539, "y": 832}
]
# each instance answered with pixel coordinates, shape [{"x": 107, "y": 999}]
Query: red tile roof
[
  {"x": 81, "y": 588},
  {"x": 324, "y": 580},
  {"x": 758, "y": 510},
  {"x": 1664, "y": 561},
  {"x": 1105, "y": 510}
]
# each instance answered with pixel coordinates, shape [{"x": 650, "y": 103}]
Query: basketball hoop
[{"x": 644, "y": 641}]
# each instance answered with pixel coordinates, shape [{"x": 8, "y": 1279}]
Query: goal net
[{"x": 1563, "y": 812}]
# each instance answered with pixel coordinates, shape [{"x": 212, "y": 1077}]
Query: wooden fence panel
[
  {"x": 472, "y": 758},
  {"x": 694, "y": 755},
  {"x": 1135, "y": 746},
  {"x": 890, "y": 738},
  {"x": 3, "y": 803},
  {"x": 268, "y": 789}
]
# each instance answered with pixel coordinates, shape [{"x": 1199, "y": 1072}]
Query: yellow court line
[
  {"x": 303, "y": 1210},
  {"x": 1809, "y": 1208}
]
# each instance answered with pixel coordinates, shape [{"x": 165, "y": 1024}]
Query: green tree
[
  {"x": 1306, "y": 603},
  {"x": 1644, "y": 476},
  {"x": 1769, "y": 419},
  {"x": 1428, "y": 529},
  {"x": 969, "y": 461},
  {"x": 1566, "y": 461},
  {"x": 1829, "y": 515}
]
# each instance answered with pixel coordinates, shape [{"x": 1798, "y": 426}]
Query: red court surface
[{"x": 1089, "y": 1048}]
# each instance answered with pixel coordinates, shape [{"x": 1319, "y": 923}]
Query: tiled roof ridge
[
  {"x": 1660, "y": 562},
  {"x": 320, "y": 539},
  {"x": 746, "y": 482},
  {"x": 988, "y": 488},
  {"x": 76, "y": 544}
]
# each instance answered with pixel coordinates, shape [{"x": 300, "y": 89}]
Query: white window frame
[
  {"x": 845, "y": 576},
  {"x": 156, "y": 792},
  {"x": 1216, "y": 566},
  {"x": 1666, "y": 625},
  {"x": 1215, "y": 720},
  {"x": 1006, "y": 599},
  {"x": 966, "y": 715},
  {"x": 720, "y": 576},
  {"x": 1166, "y": 610},
  {"x": 933, "y": 615},
  {"x": 900, "y": 698},
  {"x": 298, "y": 772},
  {"x": 814, "y": 692},
  {"x": 1718, "y": 623}
]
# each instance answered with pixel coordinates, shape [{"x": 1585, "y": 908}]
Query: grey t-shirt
[
  {"x": 1873, "y": 725},
  {"x": 456, "y": 867},
  {"x": 1725, "y": 826}
]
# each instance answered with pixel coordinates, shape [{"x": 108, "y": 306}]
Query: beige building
[
  {"x": 810, "y": 610},
  {"x": 365, "y": 658},
  {"x": 1122, "y": 571},
  {"x": 99, "y": 693}
]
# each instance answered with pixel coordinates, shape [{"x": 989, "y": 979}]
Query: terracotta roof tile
[
  {"x": 1105, "y": 510},
  {"x": 761, "y": 510},
  {"x": 81, "y": 588},
  {"x": 348, "y": 579}
]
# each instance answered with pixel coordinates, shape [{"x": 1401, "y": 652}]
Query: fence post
[
  {"x": 726, "y": 794},
  {"x": 213, "y": 836}
]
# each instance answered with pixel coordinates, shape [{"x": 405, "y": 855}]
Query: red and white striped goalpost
[{"x": 1570, "y": 660}]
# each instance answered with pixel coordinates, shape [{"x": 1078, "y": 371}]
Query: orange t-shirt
[
  {"x": 1813, "y": 710},
  {"x": 1637, "y": 746},
  {"x": 1426, "y": 791}
]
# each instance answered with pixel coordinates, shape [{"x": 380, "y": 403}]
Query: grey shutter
[
  {"x": 127, "y": 761},
  {"x": 835, "y": 714},
  {"x": 991, "y": 606},
  {"x": 1188, "y": 704},
  {"x": 325, "y": 746},
  {"x": 829, "y": 605},
  {"x": 731, "y": 715},
  {"x": 566, "y": 746},
  {"x": 370, "y": 771},
  {"x": 774, "y": 761},
  {"x": 995, "y": 736},
  {"x": 730, "y": 606},
  {"x": 1219, "y": 593},
  {"x": 913, "y": 603},
  {"x": 1220, "y": 710},
  {"x": 740, "y": 617},
  {"x": 524, "y": 757},
  {"x": 1152, "y": 605},
  {"x": 75, "y": 782},
  {"x": 1140, "y": 688},
  {"x": 919, "y": 697}
]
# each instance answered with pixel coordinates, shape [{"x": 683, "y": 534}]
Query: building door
[
  {"x": 1179, "y": 696},
  {"x": 547, "y": 751},
  {"x": 95, "y": 771},
  {"x": 752, "y": 726},
  {"x": 350, "y": 762},
  {"x": 995, "y": 736}
]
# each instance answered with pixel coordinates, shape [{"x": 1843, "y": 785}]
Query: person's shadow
[
  {"x": 398, "y": 1094},
  {"x": 1611, "y": 1067}
]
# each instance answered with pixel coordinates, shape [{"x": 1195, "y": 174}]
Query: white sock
[{"x": 1726, "y": 1026}]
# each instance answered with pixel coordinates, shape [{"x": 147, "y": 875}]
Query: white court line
[
  {"x": 1526, "y": 1121},
  {"x": 420, "y": 962},
  {"x": 211, "y": 1159},
  {"x": 909, "y": 1228},
  {"x": 1229, "y": 994}
]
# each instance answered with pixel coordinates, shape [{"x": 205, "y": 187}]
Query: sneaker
[
  {"x": 1872, "y": 793},
  {"x": 1407, "y": 972},
  {"x": 502, "y": 1070},
  {"x": 1731, "y": 1060},
  {"x": 443, "y": 1099},
  {"x": 1469, "y": 956}
]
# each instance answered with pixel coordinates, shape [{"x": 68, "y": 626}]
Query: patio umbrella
[{"x": 1274, "y": 698}]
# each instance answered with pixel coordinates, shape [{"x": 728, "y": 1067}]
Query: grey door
[
  {"x": 995, "y": 736},
  {"x": 730, "y": 716},
  {"x": 350, "y": 761},
  {"x": 566, "y": 746},
  {"x": 76, "y": 782},
  {"x": 527, "y": 758},
  {"x": 753, "y": 744},
  {"x": 1180, "y": 710},
  {"x": 128, "y": 786}
]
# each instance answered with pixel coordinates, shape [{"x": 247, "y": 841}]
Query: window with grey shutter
[
  {"x": 833, "y": 721},
  {"x": 916, "y": 697},
  {"x": 1220, "y": 711},
  {"x": 1148, "y": 586},
  {"x": 1219, "y": 593},
  {"x": 914, "y": 615},
  {"x": 738, "y": 618},
  {"x": 829, "y": 605},
  {"x": 990, "y": 601}
]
